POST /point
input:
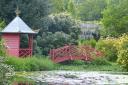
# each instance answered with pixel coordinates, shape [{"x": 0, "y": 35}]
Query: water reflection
[
  {"x": 29, "y": 83},
  {"x": 23, "y": 83}
]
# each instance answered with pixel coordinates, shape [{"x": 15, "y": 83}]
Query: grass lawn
[{"x": 89, "y": 67}]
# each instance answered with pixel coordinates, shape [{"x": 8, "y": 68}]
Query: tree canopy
[
  {"x": 115, "y": 18},
  {"x": 31, "y": 11},
  {"x": 91, "y": 9},
  {"x": 57, "y": 30}
]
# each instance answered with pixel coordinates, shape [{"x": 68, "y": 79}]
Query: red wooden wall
[{"x": 12, "y": 42}]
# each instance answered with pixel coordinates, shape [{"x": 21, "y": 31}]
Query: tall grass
[
  {"x": 43, "y": 63},
  {"x": 30, "y": 63}
]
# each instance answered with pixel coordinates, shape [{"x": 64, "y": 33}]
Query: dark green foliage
[
  {"x": 30, "y": 63},
  {"x": 49, "y": 41},
  {"x": 24, "y": 41},
  {"x": 100, "y": 61},
  {"x": 73, "y": 62},
  {"x": 95, "y": 61},
  {"x": 57, "y": 30},
  {"x": 2, "y": 24},
  {"x": 62, "y": 22},
  {"x": 31, "y": 11}
]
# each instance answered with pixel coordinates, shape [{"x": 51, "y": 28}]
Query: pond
[{"x": 70, "y": 78}]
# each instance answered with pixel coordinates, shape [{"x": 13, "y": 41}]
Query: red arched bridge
[{"x": 72, "y": 52}]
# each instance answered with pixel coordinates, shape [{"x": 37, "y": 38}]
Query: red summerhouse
[{"x": 13, "y": 34}]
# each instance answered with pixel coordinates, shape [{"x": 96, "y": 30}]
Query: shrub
[
  {"x": 2, "y": 48},
  {"x": 122, "y": 48},
  {"x": 121, "y": 42},
  {"x": 100, "y": 61},
  {"x": 56, "y": 31},
  {"x": 123, "y": 59},
  {"x": 4, "y": 69},
  {"x": 108, "y": 48},
  {"x": 78, "y": 62},
  {"x": 16, "y": 63},
  {"x": 30, "y": 63},
  {"x": 91, "y": 42}
]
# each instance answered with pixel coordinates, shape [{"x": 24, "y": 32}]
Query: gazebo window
[{"x": 24, "y": 41}]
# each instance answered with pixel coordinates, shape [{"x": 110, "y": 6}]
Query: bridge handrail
[{"x": 73, "y": 51}]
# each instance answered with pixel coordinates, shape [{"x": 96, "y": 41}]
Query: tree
[
  {"x": 91, "y": 9},
  {"x": 62, "y": 22},
  {"x": 49, "y": 41},
  {"x": 57, "y": 30},
  {"x": 31, "y": 11},
  {"x": 69, "y": 6},
  {"x": 115, "y": 18},
  {"x": 2, "y": 24}
]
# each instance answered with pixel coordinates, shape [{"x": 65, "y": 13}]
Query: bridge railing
[{"x": 74, "y": 52}]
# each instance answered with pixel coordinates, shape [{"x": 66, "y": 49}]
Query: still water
[
  {"x": 70, "y": 78},
  {"x": 23, "y": 81},
  {"x": 29, "y": 83}
]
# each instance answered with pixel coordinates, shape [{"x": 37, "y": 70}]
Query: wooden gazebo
[{"x": 12, "y": 34}]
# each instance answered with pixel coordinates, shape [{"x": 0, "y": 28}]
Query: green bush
[
  {"x": 78, "y": 62},
  {"x": 4, "y": 69},
  {"x": 123, "y": 59},
  {"x": 122, "y": 48},
  {"x": 56, "y": 31},
  {"x": 73, "y": 62},
  {"x": 2, "y": 48},
  {"x": 30, "y": 63},
  {"x": 108, "y": 49},
  {"x": 100, "y": 61},
  {"x": 115, "y": 49}
]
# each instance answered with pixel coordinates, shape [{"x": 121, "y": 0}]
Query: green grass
[
  {"x": 99, "y": 64},
  {"x": 90, "y": 67},
  {"x": 43, "y": 63},
  {"x": 30, "y": 63}
]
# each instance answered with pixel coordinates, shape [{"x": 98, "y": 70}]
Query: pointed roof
[{"x": 17, "y": 25}]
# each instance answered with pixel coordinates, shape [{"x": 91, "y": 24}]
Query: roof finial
[{"x": 17, "y": 11}]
